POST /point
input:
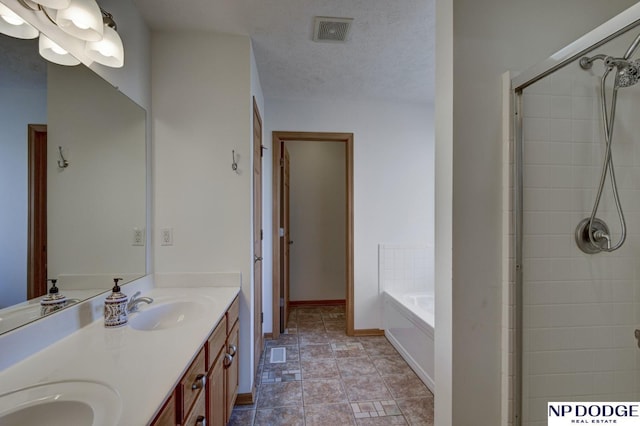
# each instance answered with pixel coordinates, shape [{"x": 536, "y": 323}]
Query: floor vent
[
  {"x": 332, "y": 30},
  {"x": 278, "y": 355}
]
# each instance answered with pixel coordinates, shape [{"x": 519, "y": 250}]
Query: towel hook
[
  {"x": 62, "y": 163},
  {"x": 234, "y": 164}
]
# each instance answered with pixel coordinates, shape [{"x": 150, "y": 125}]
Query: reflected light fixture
[
  {"x": 52, "y": 52},
  {"x": 14, "y": 26},
  {"x": 82, "y": 19}
]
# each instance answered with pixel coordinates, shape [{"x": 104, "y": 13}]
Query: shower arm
[
  {"x": 632, "y": 48},
  {"x": 609, "y": 61},
  {"x": 586, "y": 62}
]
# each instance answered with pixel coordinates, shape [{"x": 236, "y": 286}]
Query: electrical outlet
[
  {"x": 138, "y": 237},
  {"x": 166, "y": 237}
]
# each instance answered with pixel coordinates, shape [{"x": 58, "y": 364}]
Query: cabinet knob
[
  {"x": 201, "y": 421},
  {"x": 228, "y": 359},
  {"x": 200, "y": 382},
  {"x": 233, "y": 349}
]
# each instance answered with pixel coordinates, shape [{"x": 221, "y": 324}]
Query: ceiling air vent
[{"x": 333, "y": 30}]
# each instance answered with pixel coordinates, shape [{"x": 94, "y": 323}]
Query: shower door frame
[{"x": 606, "y": 32}]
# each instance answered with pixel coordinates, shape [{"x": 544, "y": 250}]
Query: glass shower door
[{"x": 579, "y": 310}]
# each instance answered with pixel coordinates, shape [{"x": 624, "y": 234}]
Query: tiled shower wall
[
  {"x": 580, "y": 310},
  {"x": 405, "y": 268}
]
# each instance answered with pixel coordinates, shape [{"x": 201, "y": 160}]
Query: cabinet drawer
[
  {"x": 197, "y": 416},
  {"x": 192, "y": 384},
  {"x": 232, "y": 314},
  {"x": 216, "y": 341}
]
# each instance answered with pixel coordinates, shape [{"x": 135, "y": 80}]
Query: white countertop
[{"x": 143, "y": 367}]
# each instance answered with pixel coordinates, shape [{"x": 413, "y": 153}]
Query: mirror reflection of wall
[
  {"x": 23, "y": 100},
  {"x": 93, "y": 206}
]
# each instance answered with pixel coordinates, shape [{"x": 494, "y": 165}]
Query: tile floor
[{"x": 332, "y": 379}]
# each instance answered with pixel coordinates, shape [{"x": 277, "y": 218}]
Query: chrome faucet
[{"x": 132, "y": 306}]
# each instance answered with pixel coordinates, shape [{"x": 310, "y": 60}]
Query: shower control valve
[{"x": 593, "y": 236}]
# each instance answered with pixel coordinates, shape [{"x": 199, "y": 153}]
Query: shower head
[{"x": 628, "y": 73}]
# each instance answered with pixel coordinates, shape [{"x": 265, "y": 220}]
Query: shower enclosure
[{"x": 577, "y": 216}]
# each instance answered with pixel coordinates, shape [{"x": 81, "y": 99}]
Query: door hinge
[
  {"x": 282, "y": 302},
  {"x": 281, "y": 232},
  {"x": 261, "y": 234},
  {"x": 282, "y": 162},
  {"x": 261, "y": 317}
]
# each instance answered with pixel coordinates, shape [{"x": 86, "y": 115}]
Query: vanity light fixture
[
  {"x": 108, "y": 51},
  {"x": 14, "y": 26},
  {"x": 82, "y": 19},
  {"x": 53, "y": 4}
]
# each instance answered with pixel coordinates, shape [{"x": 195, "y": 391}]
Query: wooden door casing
[
  {"x": 278, "y": 138},
  {"x": 286, "y": 243},
  {"x": 37, "y": 221},
  {"x": 257, "y": 234}
]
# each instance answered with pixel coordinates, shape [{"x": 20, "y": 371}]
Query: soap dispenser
[
  {"x": 115, "y": 307},
  {"x": 53, "y": 301}
]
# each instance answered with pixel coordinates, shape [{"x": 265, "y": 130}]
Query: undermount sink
[
  {"x": 167, "y": 315},
  {"x": 61, "y": 404}
]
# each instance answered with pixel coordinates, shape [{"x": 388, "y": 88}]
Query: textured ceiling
[{"x": 389, "y": 54}]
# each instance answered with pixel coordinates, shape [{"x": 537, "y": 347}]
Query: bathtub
[{"x": 409, "y": 325}]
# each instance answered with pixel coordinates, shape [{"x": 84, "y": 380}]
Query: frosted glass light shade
[
  {"x": 82, "y": 19},
  {"x": 53, "y": 4},
  {"x": 108, "y": 51},
  {"x": 14, "y": 26},
  {"x": 52, "y": 52}
]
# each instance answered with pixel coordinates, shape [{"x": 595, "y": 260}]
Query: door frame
[
  {"x": 281, "y": 137},
  {"x": 257, "y": 237},
  {"x": 37, "y": 211}
]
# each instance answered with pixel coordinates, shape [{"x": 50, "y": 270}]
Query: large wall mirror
[{"x": 72, "y": 180}]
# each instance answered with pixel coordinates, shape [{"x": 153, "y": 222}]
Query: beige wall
[
  {"x": 318, "y": 220},
  {"x": 202, "y": 106}
]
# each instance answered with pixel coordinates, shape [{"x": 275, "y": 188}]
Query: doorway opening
[{"x": 281, "y": 238}]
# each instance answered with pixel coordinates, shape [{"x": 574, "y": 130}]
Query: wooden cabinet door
[
  {"x": 167, "y": 416},
  {"x": 216, "y": 401},
  {"x": 233, "y": 370}
]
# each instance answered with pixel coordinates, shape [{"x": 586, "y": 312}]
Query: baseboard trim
[
  {"x": 368, "y": 332},
  {"x": 246, "y": 398},
  {"x": 334, "y": 302},
  {"x": 268, "y": 335}
]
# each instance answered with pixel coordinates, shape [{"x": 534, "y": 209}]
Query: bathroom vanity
[
  {"x": 207, "y": 392},
  {"x": 175, "y": 362}
]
